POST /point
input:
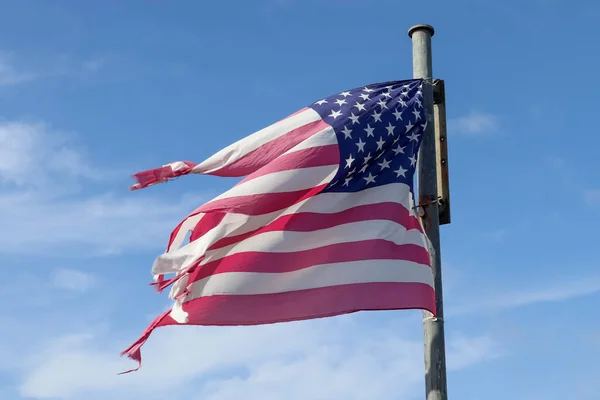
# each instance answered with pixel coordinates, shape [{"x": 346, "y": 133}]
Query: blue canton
[{"x": 379, "y": 129}]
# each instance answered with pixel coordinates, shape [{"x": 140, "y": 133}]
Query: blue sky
[{"x": 91, "y": 92}]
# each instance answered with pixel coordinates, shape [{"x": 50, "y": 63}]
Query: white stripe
[
  {"x": 288, "y": 242},
  {"x": 322, "y": 138},
  {"x": 187, "y": 226},
  {"x": 237, "y": 224},
  {"x": 319, "y": 276},
  {"x": 250, "y": 143},
  {"x": 283, "y": 181}
]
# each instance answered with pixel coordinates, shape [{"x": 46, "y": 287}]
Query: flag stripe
[
  {"x": 325, "y": 204},
  {"x": 306, "y": 304},
  {"x": 224, "y": 310},
  {"x": 256, "y": 204},
  {"x": 312, "y": 221},
  {"x": 305, "y": 158},
  {"x": 299, "y": 241},
  {"x": 283, "y": 181},
  {"x": 315, "y": 276},
  {"x": 254, "y": 151},
  {"x": 374, "y": 249}
]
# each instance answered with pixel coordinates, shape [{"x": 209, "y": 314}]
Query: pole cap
[{"x": 421, "y": 27}]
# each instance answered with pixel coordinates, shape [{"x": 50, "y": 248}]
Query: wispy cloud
[
  {"x": 560, "y": 291},
  {"x": 32, "y": 154},
  {"x": 311, "y": 359},
  {"x": 44, "y": 206},
  {"x": 73, "y": 280},
  {"x": 93, "y": 64},
  {"x": 10, "y": 74},
  {"x": 473, "y": 124},
  {"x": 592, "y": 197}
]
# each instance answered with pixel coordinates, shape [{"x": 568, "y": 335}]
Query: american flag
[{"x": 322, "y": 223}]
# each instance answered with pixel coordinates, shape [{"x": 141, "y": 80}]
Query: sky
[{"x": 92, "y": 92}]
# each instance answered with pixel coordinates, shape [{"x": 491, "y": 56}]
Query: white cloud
[
  {"x": 73, "y": 280},
  {"x": 329, "y": 358},
  {"x": 43, "y": 209},
  {"x": 592, "y": 197},
  {"x": 31, "y": 154},
  {"x": 93, "y": 65},
  {"x": 473, "y": 124},
  {"x": 109, "y": 224},
  {"x": 561, "y": 291},
  {"x": 10, "y": 75}
]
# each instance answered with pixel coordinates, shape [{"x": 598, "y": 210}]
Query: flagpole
[{"x": 433, "y": 327}]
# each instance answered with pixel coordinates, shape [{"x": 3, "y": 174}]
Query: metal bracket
[
  {"x": 421, "y": 206},
  {"x": 439, "y": 118}
]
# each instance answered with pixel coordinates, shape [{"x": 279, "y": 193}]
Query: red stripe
[
  {"x": 208, "y": 222},
  {"x": 267, "y": 152},
  {"x": 255, "y": 261},
  {"x": 311, "y": 221},
  {"x": 305, "y": 158},
  {"x": 158, "y": 175},
  {"x": 297, "y": 305},
  {"x": 249, "y": 205},
  {"x": 307, "y": 304},
  {"x": 256, "y": 204}
]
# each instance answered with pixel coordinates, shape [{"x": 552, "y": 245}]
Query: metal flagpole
[{"x": 433, "y": 327}]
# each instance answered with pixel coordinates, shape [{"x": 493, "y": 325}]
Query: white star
[
  {"x": 345, "y": 94},
  {"x": 364, "y": 168},
  {"x": 414, "y": 136},
  {"x": 361, "y": 145},
  {"x": 380, "y": 143},
  {"x": 347, "y": 132},
  {"x": 366, "y": 89},
  {"x": 417, "y": 115},
  {"x": 419, "y": 93},
  {"x": 367, "y": 159},
  {"x": 370, "y": 178},
  {"x": 409, "y": 126},
  {"x": 377, "y": 116},
  {"x": 361, "y": 107},
  {"x": 404, "y": 94},
  {"x": 399, "y": 149},
  {"x": 396, "y": 139},
  {"x": 413, "y": 160},
  {"x": 382, "y": 104},
  {"x": 364, "y": 96},
  {"x": 321, "y": 102},
  {"x": 398, "y": 115},
  {"x": 390, "y": 128},
  {"x": 353, "y": 118},
  {"x": 402, "y": 102},
  {"x": 335, "y": 114},
  {"x": 340, "y": 102},
  {"x": 349, "y": 161},
  {"x": 400, "y": 172},
  {"x": 389, "y": 88},
  {"x": 424, "y": 125},
  {"x": 352, "y": 171},
  {"x": 419, "y": 103},
  {"x": 387, "y": 94},
  {"x": 405, "y": 86},
  {"x": 384, "y": 164},
  {"x": 369, "y": 130},
  {"x": 347, "y": 181}
]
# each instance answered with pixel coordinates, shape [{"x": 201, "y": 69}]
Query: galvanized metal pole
[{"x": 433, "y": 327}]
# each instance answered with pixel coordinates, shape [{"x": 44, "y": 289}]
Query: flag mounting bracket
[
  {"x": 422, "y": 204},
  {"x": 441, "y": 150}
]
